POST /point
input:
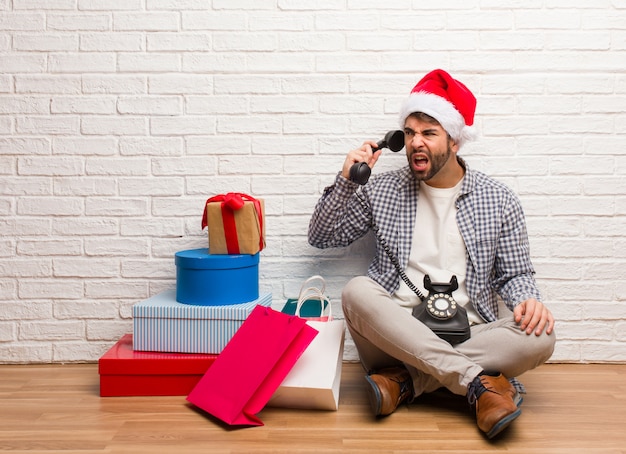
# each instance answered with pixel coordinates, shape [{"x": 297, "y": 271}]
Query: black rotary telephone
[{"x": 441, "y": 313}]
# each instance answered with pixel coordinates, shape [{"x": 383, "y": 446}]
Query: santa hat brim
[{"x": 442, "y": 111}]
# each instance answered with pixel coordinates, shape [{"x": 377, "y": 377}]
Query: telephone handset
[{"x": 360, "y": 172}]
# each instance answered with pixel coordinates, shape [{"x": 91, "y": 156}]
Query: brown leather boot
[
  {"x": 494, "y": 398},
  {"x": 388, "y": 388}
]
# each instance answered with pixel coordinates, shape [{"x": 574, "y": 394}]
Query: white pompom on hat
[{"x": 445, "y": 99}]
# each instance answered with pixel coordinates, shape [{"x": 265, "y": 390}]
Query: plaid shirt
[{"x": 489, "y": 216}]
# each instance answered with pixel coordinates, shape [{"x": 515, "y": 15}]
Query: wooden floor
[{"x": 57, "y": 409}]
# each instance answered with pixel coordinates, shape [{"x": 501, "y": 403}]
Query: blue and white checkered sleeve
[
  {"x": 515, "y": 279},
  {"x": 338, "y": 218}
]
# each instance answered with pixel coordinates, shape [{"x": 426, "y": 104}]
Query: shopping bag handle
[
  {"x": 315, "y": 278},
  {"x": 315, "y": 293}
]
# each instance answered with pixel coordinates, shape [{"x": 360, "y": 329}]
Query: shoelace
[
  {"x": 405, "y": 386},
  {"x": 475, "y": 389}
]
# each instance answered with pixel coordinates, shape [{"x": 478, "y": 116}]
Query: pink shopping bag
[
  {"x": 315, "y": 379},
  {"x": 252, "y": 366}
]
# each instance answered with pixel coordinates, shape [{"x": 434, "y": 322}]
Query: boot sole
[
  {"x": 518, "y": 399},
  {"x": 373, "y": 394},
  {"x": 503, "y": 423}
]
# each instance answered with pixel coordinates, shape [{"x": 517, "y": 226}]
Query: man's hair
[
  {"x": 428, "y": 119},
  {"x": 425, "y": 117}
]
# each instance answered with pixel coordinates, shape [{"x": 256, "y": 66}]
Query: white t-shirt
[{"x": 437, "y": 248}]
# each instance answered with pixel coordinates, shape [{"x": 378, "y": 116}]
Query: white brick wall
[{"x": 119, "y": 118}]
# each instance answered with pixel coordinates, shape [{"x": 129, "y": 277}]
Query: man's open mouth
[{"x": 419, "y": 162}]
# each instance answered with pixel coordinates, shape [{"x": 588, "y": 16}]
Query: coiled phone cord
[{"x": 394, "y": 260}]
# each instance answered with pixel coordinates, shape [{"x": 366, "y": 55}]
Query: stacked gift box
[{"x": 178, "y": 333}]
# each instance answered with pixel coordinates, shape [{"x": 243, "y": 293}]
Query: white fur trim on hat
[{"x": 442, "y": 111}]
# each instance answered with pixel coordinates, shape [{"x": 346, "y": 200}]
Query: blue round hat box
[{"x": 216, "y": 280}]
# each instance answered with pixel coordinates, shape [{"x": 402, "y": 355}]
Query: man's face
[{"x": 428, "y": 148}]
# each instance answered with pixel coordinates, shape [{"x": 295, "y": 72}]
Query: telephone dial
[
  {"x": 440, "y": 303},
  {"x": 360, "y": 172}
]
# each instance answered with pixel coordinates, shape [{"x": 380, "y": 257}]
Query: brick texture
[{"x": 119, "y": 118}]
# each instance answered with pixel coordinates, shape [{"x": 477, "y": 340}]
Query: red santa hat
[{"x": 445, "y": 99}]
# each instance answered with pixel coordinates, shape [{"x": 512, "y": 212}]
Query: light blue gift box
[{"x": 162, "y": 324}]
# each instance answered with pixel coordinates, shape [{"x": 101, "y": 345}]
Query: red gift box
[{"x": 125, "y": 372}]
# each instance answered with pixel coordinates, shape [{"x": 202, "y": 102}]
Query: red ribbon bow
[{"x": 232, "y": 202}]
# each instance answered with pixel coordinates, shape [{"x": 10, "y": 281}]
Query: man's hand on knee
[{"x": 532, "y": 315}]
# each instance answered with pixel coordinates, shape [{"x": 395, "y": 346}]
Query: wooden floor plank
[{"x": 57, "y": 409}]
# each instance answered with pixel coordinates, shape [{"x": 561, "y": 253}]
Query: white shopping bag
[{"x": 314, "y": 381}]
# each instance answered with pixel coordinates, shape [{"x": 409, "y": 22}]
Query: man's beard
[{"x": 437, "y": 162}]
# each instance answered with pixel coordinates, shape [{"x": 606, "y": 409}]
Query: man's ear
[{"x": 454, "y": 146}]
